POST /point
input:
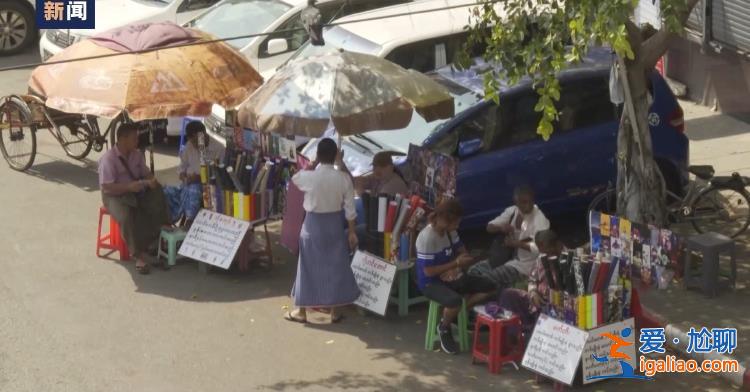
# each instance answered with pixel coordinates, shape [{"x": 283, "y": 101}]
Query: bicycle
[
  {"x": 711, "y": 204},
  {"x": 22, "y": 115}
]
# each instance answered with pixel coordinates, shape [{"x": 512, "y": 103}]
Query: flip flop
[{"x": 289, "y": 317}]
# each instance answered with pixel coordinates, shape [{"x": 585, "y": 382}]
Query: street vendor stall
[{"x": 352, "y": 93}]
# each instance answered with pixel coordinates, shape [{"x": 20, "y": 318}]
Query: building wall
[{"x": 717, "y": 80}]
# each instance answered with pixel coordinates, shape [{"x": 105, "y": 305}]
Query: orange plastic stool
[
  {"x": 111, "y": 241},
  {"x": 495, "y": 353}
]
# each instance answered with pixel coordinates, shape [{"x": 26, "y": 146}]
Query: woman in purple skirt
[{"x": 324, "y": 275}]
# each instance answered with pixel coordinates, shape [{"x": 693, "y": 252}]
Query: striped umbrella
[
  {"x": 356, "y": 92},
  {"x": 146, "y": 83}
]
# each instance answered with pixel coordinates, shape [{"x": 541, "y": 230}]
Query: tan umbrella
[
  {"x": 356, "y": 92},
  {"x": 175, "y": 82}
]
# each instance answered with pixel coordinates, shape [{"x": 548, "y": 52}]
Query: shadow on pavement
[
  {"x": 68, "y": 172},
  {"x": 717, "y": 126},
  {"x": 185, "y": 282}
]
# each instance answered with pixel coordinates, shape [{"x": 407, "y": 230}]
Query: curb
[{"x": 649, "y": 319}]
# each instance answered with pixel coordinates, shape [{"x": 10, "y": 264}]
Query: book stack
[{"x": 587, "y": 291}]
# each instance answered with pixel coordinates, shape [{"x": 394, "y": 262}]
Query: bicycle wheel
[
  {"x": 605, "y": 202},
  {"x": 112, "y": 129},
  {"x": 77, "y": 139},
  {"x": 721, "y": 210},
  {"x": 17, "y": 134}
]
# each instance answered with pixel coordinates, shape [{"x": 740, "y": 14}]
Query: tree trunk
[{"x": 641, "y": 195}]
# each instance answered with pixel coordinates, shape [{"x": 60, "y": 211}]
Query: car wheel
[{"x": 17, "y": 27}]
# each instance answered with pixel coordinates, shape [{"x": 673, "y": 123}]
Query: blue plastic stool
[{"x": 185, "y": 122}]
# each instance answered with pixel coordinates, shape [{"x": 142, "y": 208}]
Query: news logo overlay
[
  {"x": 65, "y": 14},
  {"x": 652, "y": 340}
]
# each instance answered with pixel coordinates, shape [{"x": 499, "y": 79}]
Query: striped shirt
[{"x": 434, "y": 249}]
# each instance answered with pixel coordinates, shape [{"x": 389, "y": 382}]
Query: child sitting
[
  {"x": 527, "y": 304},
  {"x": 441, "y": 261}
]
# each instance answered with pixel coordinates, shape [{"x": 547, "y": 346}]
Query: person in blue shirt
[{"x": 441, "y": 262}]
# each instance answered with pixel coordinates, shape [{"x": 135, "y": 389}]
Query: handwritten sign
[
  {"x": 374, "y": 278},
  {"x": 214, "y": 238},
  {"x": 600, "y": 345},
  {"x": 555, "y": 349}
]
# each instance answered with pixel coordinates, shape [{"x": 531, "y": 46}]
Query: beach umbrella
[
  {"x": 355, "y": 92},
  {"x": 146, "y": 81}
]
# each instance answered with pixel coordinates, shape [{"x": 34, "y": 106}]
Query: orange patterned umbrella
[{"x": 150, "y": 83}]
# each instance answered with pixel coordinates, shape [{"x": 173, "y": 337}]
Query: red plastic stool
[
  {"x": 113, "y": 240},
  {"x": 495, "y": 352}
]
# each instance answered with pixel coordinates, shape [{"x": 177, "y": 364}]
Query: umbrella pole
[{"x": 151, "y": 146}]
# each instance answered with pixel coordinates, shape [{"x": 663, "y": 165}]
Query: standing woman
[{"x": 324, "y": 274}]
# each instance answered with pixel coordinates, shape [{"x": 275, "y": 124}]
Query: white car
[
  {"x": 232, "y": 18},
  {"x": 116, "y": 13},
  {"x": 17, "y": 25}
]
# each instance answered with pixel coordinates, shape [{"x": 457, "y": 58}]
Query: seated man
[
  {"x": 513, "y": 253},
  {"x": 441, "y": 260},
  {"x": 185, "y": 200},
  {"x": 528, "y": 304},
  {"x": 131, "y": 194}
]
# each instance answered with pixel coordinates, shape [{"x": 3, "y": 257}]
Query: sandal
[
  {"x": 143, "y": 269},
  {"x": 337, "y": 319},
  {"x": 290, "y": 317}
]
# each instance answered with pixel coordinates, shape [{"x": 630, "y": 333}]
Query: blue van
[{"x": 498, "y": 148}]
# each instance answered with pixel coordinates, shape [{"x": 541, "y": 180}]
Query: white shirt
[
  {"x": 326, "y": 190},
  {"x": 532, "y": 224},
  {"x": 190, "y": 158}
]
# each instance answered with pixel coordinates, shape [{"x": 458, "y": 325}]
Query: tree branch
[{"x": 654, "y": 47}]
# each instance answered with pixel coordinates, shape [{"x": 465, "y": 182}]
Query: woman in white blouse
[{"x": 324, "y": 275}]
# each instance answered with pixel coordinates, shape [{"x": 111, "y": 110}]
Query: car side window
[
  {"x": 296, "y": 38},
  {"x": 480, "y": 126},
  {"x": 519, "y": 120},
  {"x": 585, "y": 103},
  {"x": 194, "y": 5},
  {"x": 419, "y": 56}
]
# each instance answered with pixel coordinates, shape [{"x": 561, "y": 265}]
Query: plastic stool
[
  {"x": 433, "y": 319},
  {"x": 113, "y": 240},
  {"x": 710, "y": 245},
  {"x": 494, "y": 352},
  {"x": 185, "y": 122},
  {"x": 172, "y": 237}
]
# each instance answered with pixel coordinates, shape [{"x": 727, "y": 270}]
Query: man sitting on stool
[
  {"x": 513, "y": 252},
  {"x": 132, "y": 195}
]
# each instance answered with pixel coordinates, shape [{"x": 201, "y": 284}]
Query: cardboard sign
[
  {"x": 555, "y": 349},
  {"x": 599, "y": 346},
  {"x": 214, "y": 238},
  {"x": 375, "y": 279}
]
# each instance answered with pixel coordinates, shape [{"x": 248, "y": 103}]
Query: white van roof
[{"x": 410, "y": 28}]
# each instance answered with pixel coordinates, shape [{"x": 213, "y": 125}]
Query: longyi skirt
[{"x": 324, "y": 273}]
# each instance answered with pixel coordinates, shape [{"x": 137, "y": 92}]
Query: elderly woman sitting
[{"x": 184, "y": 200}]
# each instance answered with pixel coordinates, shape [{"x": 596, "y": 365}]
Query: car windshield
[
  {"x": 419, "y": 130},
  {"x": 337, "y": 38},
  {"x": 240, "y": 17}
]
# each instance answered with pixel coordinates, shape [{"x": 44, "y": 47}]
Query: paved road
[{"x": 70, "y": 321}]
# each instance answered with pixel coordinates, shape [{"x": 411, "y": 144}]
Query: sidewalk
[{"x": 724, "y": 142}]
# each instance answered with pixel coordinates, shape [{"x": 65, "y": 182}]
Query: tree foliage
[{"x": 537, "y": 39}]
